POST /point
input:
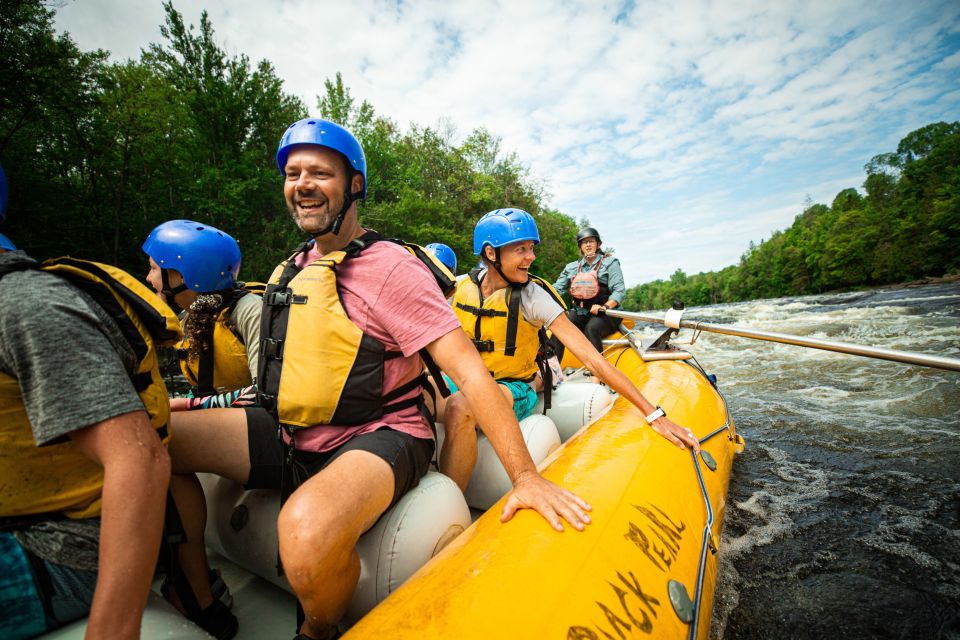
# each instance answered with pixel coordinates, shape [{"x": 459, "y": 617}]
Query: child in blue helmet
[
  {"x": 194, "y": 267},
  {"x": 505, "y": 310},
  {"x": 445, "y": 255}
]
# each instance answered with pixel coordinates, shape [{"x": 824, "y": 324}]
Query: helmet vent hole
[
  {"x": 311, "y": 122},
  {"x": 199, "y": 228}
]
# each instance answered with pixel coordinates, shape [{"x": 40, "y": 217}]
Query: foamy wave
[{"x": 799, "y": 488}]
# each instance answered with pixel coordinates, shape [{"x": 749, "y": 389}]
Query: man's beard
[{"x": 317, "y": 221}]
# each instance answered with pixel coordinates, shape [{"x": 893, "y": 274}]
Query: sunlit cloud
[{"x": 684, "y": 130}]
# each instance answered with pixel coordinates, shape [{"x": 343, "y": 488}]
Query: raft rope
[{"x": 704, "y": 546}]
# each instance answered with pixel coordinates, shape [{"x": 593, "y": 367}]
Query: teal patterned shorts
[{"x": 524, "y": 397}]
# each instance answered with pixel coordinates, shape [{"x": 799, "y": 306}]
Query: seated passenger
[
  {"x": 194, "y": 267},
  {"x": 344, "y": 323},
  {"x": 505, "y": 310},
  {"x": 84, "y": 470},
  {"x": 445, "y": 255},
  {"x": 595, "y": 282}
]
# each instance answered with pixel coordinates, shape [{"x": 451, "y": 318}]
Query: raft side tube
[
  {"x": 242, "y": 526},
  {"x": 649, "y": 518},
  {"x": 489, "y": 481}
]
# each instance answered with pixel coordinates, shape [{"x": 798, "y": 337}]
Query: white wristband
[{"x": 657, "y": 413}]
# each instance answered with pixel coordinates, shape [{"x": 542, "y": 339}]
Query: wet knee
[
  {"x": 459, "y": 418},
  {"x": 307, "y": 541}
]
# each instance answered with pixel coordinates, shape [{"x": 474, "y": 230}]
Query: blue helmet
[
  {"x": 324, "y": 133},
  {"x": 503, "y": 226},
  {"x": 3, "y": 194},
  {"x": 207, "y": 258},
  {"x": 5, "y": 243},
  {"x": 444, "y": 254}
]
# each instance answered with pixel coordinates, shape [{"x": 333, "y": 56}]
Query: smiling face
[
  {"x": 589, "y": 246},
  {"x": 515, "y": 259},
  {"x": 316, "y": 187}
]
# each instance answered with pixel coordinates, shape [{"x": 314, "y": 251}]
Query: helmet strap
[
  {"x": 170, "y": 294},
  {"x": 497, "y": 265},
  {"x": 348, "y": 200}
]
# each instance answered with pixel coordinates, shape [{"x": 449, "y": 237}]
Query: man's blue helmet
[
  {"x": 207, "y": 258},
  {"x": 4, "y": 194},
  {"x": 5, "y": 243},
  {"x": 328, "y": 134},
  {"x": 503, "y": 226},
  {"x": 444, "y": 254}
]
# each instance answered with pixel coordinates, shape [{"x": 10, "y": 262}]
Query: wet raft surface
[{"x": 844, "y": 514}]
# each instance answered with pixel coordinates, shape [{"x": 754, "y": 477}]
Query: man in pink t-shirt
[{"x": 352, "y": 473}]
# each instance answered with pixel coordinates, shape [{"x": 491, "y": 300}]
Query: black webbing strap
[
  {"x": 205, "y": 371},
  {"x": 485, "y": 313},
  {"x": 435, "y": 374},
  {"x": 514, "y": 294},
  {"x": 546, "y": 373}
]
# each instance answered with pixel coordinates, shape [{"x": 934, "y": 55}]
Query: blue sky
[{"x": 682, "y": 130}]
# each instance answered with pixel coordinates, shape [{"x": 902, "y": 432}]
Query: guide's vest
[
  {"x": 511, "y": 347},
  {"x": 586, "y": 287},
  {"x": 223, "y": 366},
  {"x": 316, "y": 366},
  {"x": 56, "y": 479}
]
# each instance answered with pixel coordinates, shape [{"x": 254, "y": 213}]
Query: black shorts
[{"x": 409, "y": 457}]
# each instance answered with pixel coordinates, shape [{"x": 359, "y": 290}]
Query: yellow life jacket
[
  {"x": 224, "y": 365},
  {"x": 510, "y": 346},
  {"x": 316, "y": 366},
  {"x": 57, "y": 479}
]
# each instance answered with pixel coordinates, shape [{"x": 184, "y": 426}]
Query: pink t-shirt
[{"x": 393, "y": 297}]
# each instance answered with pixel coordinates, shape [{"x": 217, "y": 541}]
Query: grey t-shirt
[{"x": 73, "y": 366}]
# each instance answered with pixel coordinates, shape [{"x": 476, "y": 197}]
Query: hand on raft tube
[
  {"x": 533, "y": 491},
  {"x": 680, "y": 436}
]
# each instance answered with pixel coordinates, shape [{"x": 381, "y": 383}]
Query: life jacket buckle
[
  {"x": 283, "y": 299},
  {"x": 271, "y": 348},
  {"x": 267, "y": 401},
  {"x": 483, "y": 345}
]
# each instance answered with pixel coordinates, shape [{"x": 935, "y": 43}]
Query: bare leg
[
  {"x": 458, "y": 456},
  {"x": 213, "y": 440},
  {"x": 191, "y": 555},
  {"x": 318, "y": 530}
]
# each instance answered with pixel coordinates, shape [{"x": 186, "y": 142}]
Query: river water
[{"x": 843, "y": 517}]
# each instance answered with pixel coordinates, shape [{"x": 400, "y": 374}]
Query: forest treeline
[
  {"x": 906, "y": 227},
  {"x": 97, "y": 153}
]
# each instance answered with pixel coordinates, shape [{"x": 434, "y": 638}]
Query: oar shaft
[{"x": 908, "y": 357}]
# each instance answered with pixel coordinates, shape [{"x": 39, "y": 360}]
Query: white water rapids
[{"x": 844, "y": 511}]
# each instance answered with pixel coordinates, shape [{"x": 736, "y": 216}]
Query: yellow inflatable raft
[{"x": 647, "y": 565}]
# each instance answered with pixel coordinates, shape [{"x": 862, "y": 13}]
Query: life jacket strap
[
  {"x": 283, "y": 299},
  {"x": 483, "y": 313}
]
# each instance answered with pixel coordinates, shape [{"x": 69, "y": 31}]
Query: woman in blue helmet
[
  {"x": 505, "y": 310},
  {"x": 194, "y": 266}
]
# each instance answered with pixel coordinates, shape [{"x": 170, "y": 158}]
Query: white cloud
[{"x": 695, "y": 124}]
